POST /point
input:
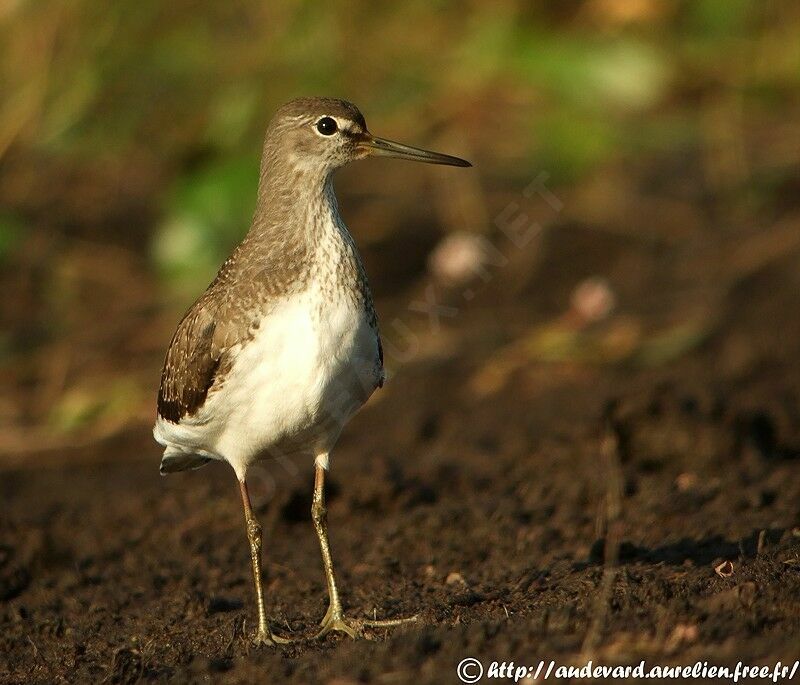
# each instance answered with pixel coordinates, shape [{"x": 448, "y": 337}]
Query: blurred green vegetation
[
  {"x": 182, "y": 91},
  {"x": 207, "y": 211},
  {"x": 130, "y": 137},
  {"x": 12, "y": 230}
]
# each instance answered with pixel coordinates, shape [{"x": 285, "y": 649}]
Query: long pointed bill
[{"x": 380, "y": 147}]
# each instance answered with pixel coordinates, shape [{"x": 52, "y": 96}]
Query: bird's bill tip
[{"x": 381, "y": 147}]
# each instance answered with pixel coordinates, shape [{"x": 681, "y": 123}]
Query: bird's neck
[
  {"x": 298, "y": 237},
  {"x": 295, "y": 198},
  {"x": 297, "y": 223}
]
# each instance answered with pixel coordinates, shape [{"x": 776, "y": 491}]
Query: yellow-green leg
[
  {"x": 263, "y": 636},
  {"x": 334, "y": 618}
]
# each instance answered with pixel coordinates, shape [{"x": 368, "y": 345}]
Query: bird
[{"x": 283, "y": 347}]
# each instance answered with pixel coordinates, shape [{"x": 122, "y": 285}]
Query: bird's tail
[{"x": 174, "y": 461}]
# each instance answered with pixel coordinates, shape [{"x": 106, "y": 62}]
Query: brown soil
[{"x": 485, "y": 507}]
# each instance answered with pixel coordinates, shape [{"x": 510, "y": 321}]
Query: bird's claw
[
  {"x": 265, "y": 638},
  {"x": 338, "y": 622}
]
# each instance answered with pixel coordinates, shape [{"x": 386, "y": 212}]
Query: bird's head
[{"x": 323, "y": 134}]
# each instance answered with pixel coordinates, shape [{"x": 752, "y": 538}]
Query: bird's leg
[
  {"x": 334, "y": 618},
  {"x": 263, "y": 636}
]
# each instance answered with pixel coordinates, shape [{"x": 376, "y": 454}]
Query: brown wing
[
  {"x": 226, "y": 315},
  {"x": 192, "y": 364}
]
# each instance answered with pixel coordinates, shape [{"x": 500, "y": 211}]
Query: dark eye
[{"x": 327, "y": 126}]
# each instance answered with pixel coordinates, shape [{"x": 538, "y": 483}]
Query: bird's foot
[
  {"x": 335, "y": 620},
  {"x": 265, "y": 638}
]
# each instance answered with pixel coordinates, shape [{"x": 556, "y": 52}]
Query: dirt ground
[{"x": 479, "y": 490}]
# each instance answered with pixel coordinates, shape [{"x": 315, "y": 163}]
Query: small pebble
[{"x": 455, "y": 578}]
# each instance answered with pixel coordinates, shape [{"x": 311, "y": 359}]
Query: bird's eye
[{"x": 327, "y": 126}]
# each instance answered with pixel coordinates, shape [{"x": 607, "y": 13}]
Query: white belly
[{"x": 291, "y": 389}]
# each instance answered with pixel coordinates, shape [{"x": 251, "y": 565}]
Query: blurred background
[{"x": 130, "y": 137}]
